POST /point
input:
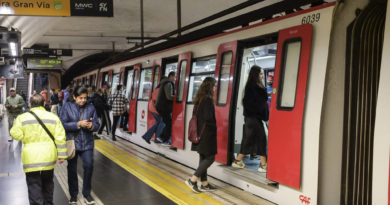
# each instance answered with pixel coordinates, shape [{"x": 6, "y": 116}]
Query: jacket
[
  {"x": 206, "y": 117},
  {"x": 66, "y": 94},
  {"x": 164, "y": 102},
  {"x": 97, "y": 101},
  {"x": 44, "y": 95},
  {"x": 54, "y": 99},
  {"x": 255, "y": 102},
  {"x": 118, "y": 102},
  {"x": 40, "y": 152},
  {"x": 17, "y": 100},
  {"x": 70, "y": 116},
  {"x": 154, "y": 98}
]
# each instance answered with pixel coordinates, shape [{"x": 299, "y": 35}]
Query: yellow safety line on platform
[{"x": 175, "y": 190}]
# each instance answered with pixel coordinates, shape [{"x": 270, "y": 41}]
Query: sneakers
[
  {"x": 193, "y": 186},
  {"x": 208, "y": 187},
  {"x": 166, "y": 144},
  {"x": 100, "y": 135},
  {"x": 73, "y": 200},
  {"x": 238, "y": 164},
  {"x": 89, "y": 200},
  {"x": 146, "y": 140},
  {"x": 10, "y": 139},
  {"x": 158, "y": 140},
  {"x": 96, "y": 137},
  {"x": 263, "y": 168}
]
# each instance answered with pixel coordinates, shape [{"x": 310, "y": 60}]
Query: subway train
[{"x": 328, "y": 140}]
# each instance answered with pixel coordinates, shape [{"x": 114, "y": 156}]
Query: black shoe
[
  {"x": 208, "y": 187},
  {"x": 73, "y": 200},
  {"x": 125, "y": 130},
  {"x": 193, "y": 186},
  {"x": 113, "y": 138},
  {"x": 96, "y": 137},
  {"x": 89, "y": 200},
  {"x": 147, "y": 141}
]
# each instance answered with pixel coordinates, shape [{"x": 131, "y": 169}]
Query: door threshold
[
  {"x": 167, "y": 147},
  {"x": 250, "y": 176}
]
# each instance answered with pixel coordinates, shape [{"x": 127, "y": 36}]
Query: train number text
[{"x": 311, "y": 18}]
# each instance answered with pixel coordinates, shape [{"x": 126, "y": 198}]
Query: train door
[
  {"x": 133, "y": 98},
  {"x": 156, "y": 70},
  {"x": 180, "y": 99},
  {"x": 109, "y": 77},
  {"x": 93, "y": 81},
  {"x": 121, "y": 75},
  {"x": 100, "y": 80},
  {"x": 128, "y": 82}
]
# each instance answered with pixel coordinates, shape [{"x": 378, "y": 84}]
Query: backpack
[{"x": 193, "y": 127}]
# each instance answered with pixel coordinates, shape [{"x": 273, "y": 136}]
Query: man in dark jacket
[
  {"x": 164, "y": 106},
  {"x": 54, "y": 102},
  {"x": 14, "y": 104}
]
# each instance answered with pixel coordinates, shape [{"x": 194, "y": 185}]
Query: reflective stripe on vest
[
  {"x": 31, "y": 122},
  {"x": 62, "y": 154},
  {"x": 44, "y": 164},
  {"x": 61, "y": 146}
]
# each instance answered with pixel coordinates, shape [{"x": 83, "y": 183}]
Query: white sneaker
[
  {"x": 10, "y": 139},
  {"x": 238, "y": 164},
  {"x": 262, "y": 168},
  {"x": 100, "y": 135}
]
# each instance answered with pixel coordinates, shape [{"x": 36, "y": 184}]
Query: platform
[{"x": 124, "y": 173}]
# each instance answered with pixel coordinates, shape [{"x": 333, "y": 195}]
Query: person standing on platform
[
  {"x": 255, "y": 111},
  {"x": 207, "y": 131},
  {"x": 164, "y": 106},
  {"x": 80, "y": 121},
  {"x": 44, "y": 95},
  {"x": 14, "y": 104},
  {"x": 40, "y": 151},
  {"x": 158, "y": 127},
  {"x": 101, "y": 110},
  {"x": 54, "y": 102},
  {"x": 118, "y": 102}
]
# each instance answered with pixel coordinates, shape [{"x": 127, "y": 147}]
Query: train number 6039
[{"x": 311, "y": 18}]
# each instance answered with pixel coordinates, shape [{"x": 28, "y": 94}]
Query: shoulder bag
[{"x": 193, "y": 126}]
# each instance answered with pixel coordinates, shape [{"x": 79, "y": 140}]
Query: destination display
[
  {"x": 48, "y": 52},
  {"x": 92, "y": 8},
  {"x": 44, "y": 63}
]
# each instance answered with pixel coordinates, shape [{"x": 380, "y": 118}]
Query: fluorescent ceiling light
[{"x": 264, "y": 57}]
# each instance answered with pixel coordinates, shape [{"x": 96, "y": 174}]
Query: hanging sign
[
  {"x": 48, "y": 52},
  {"x": 44, "y": 63},
  {"x": 97, "y": 8}
]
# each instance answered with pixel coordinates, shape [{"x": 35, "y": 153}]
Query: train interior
[
  {"x": 200, "y": 69},
  {"x": 263, "y": 56}
]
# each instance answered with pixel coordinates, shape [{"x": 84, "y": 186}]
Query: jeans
[
  {"x": 59, "y": 110},
  {"x": 156, "y": 128},
  {"x": 205, "y": 161},
  {"x": 106, "y": 122},
  {"x": 40, "y": 186},
  {"x": 87, "y": 158},
  {"x": 167, "y": 119},
  {"x": 125, "y": 121},
  {"x": 11, "y": 118},
  {"x": 115, "y": 125}
]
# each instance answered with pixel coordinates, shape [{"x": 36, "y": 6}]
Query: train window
[
  {"x": 172, "y": 67},
  {"x": 156, "y": 76},
  {"x": 145, "y": 84},
  {"x": 224, "y": 76},
  {"x": 134, "y": 84},
  {"x": 115, "y": 82},
  {"x": 80, "y": 82},
  {"x": 182, "y": 80},
  {"x": 201, "y": 69},
  {"x": 129, "y": 83},
  {"x": 289, "y": 74}
]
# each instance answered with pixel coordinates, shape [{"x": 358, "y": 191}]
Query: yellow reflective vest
[{"x": 39, "y": 151}]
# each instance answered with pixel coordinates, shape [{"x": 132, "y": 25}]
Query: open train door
[
  {"x": 121, "y": 76},
  {"x": 100, "y": 80},
  {"x": 180, "y": 99},
  {"x": 287, "y": 105},
  {"x": 224, "y": 71},
  {"x": 156, "y": 70},
  {"x": 134, "y": 97}
]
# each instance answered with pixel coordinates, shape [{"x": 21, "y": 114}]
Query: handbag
[{"x": 193, "y": 126}]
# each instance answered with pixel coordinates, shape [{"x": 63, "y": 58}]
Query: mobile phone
[{"x": 89, "y": 120}]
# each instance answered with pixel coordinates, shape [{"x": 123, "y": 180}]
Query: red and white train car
[{"x": 326, "y": 145}]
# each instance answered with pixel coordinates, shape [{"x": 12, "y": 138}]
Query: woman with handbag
[
  {"x": 80, "y": 121},
  {"x": 207, "y": 132},
  {"x": 256, "y": 110}
]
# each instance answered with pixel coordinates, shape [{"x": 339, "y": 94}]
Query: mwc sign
[{"x": 143, "y": 114}]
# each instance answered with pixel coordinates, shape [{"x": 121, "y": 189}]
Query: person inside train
[
  {"x": 158, "y": 127},
  {"x": 164, "y": 106},
  {"x": 256, "y": 111},
  {"x": 54, "y": 101},
  {"x": 44, "y": 95},
  {"x": 101, "y": 110},
  {"x": 270, "y": 82},
  {"x": 91, "y": 91},
  {"x": 207, "y": 131},
  {"x": 124, "y": 121},
  {"x": 80, "y": 121},
  {"x": 118, "y": 101}
]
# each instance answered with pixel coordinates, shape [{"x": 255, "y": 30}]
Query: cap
[
  {"x": 270, "y": 77},
  {"x": 12, "y": 89}
]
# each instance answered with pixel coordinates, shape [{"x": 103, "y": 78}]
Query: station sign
[
  {"x": 96, "y": 8},
  {"x": 44, "y": 63},
  {"x": 48, "y": 52}
]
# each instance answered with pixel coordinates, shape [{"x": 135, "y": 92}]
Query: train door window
[
  {"x": 80, "y": 82},
  {"x": 201, "y": 69},
  {"x": 134, "y": 84},
  {"x": 182, "y": 79},
  {"x": 172, "y": 67},
  {"x": 224, "y": 78},
  {"x": 91, "y": 80},
  {"x": 263, "y": 56},
  {"x": 156, "y": 76},
  {"x": 115, "y": 82},
  {"x": 129, "y": 83},
  {"x": 289, "y": 75},
  {"x": 145, "y": 84}
]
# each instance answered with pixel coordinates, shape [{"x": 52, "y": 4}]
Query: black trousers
[
  {"x": 115, "y": 125},
  {"x": 106, "y": 122},
  {"x": 40, "y": 186},
  {"x": 167, "y": 119},
  {"x": 125, "y": 121},
  {"x": 205, "y": 161}
]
